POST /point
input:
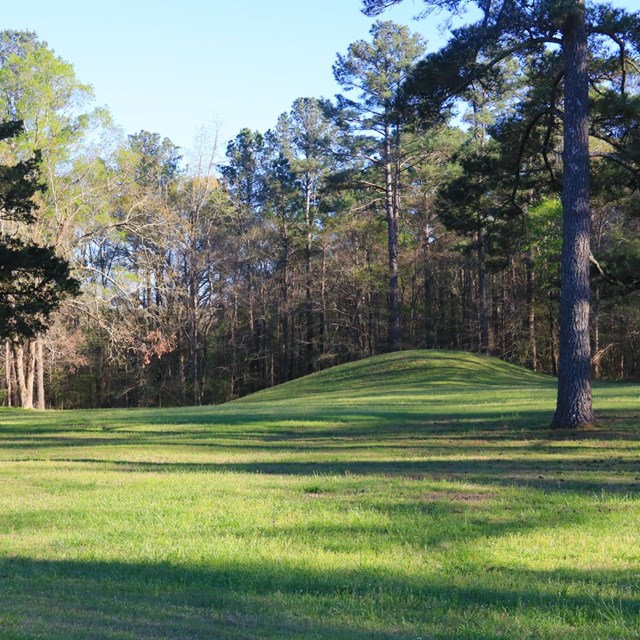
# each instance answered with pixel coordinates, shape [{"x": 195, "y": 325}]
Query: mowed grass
[{"x": 418, "y": 495}]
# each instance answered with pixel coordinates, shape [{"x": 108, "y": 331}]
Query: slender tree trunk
[
  {"x": 286, "y": 360},
  {"x": 272, "y": 371},
  {"x": 24, "y": 379},
  {"x": 574, "y": 405},
  {"x": 427, "y": 287},
  {"x": 39, "y": 355},
  {"x": 17, "y": 398},
  {"x": 467, "y": 316},
  {"x": 31, "y": 371},
  {"x": 255, "y": 332},
  {"x": 552, "y": 338},
  {"x": 392, "y": 228},
  {"x": 8, "y": 365},
  {"x": 482, "y": 294},
  {"x": 309, "y": 338},
  {"x": 234, "y": 350},
  {"x": 505, "y": 312},
  {"x": 266, "y": 346},
  {"x": 428, "y": 306},
  {"x": 595, "y": 334},
  {"x": 101, "y": 367},
  {"x": 193, "y": 343},
  {"x": 18, "y": 361},
  {"x": 323, "y": 299},
  {"x": 531, "y": 310},
  {"x": 182, "y": 376}
]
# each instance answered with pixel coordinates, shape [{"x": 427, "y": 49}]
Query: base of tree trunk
[
  {"x": 587, "y": 426},
  {"x": 575, "y": 421}
]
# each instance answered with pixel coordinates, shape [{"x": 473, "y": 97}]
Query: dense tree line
[{"x": 374, "y": 222}]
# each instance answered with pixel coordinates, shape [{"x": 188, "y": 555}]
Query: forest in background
[{"x": 350, "y": 228}]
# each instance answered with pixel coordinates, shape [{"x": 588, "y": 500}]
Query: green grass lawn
[{"x": 418, "y": 495}]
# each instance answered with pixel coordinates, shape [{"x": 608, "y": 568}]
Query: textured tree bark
[
  {"x": 7, "y": 366},
  {"x": 254, "y": 334},
  {"x": 553, "y": 356},
  {"x": 428, "y": 288},
  {"x": 309, "y": 337},
  {"x": 482, "y": 294},
  {"x": 392, "y": 227},
  {"x": 193, "y": 342},
  {"x": 595, "y": 334},
  {"x": 24, "y": 380},
  {"x": 531, "y": 308},
  {"x": 324, "y": 328},
  {"x": 18, "y": 362},
  {"x": 31, "y": 371},
  {"x": 574, "y": 403},
  {"x": 40, "y": 373},
  {"x": 394, "y": 288},
  {"x": 466, "y": 328},
  {"x": 286, "y": 348},
  {"x": 234, "y": 348}
]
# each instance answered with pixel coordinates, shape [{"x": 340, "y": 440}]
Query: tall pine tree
[{"x": 513, "y": 28}]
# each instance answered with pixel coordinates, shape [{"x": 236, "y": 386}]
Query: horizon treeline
[{"x": 352, "y": 227}]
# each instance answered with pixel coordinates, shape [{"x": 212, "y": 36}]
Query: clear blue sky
[{"x": 172, "y": 67}]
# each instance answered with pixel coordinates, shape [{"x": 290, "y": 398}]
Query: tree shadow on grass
[
  {"x": 364, "y": 423},
  {"x": 265, "y": 599},
  {"x": 586, "y": 475},
  {"x": 378, "y": 443},
  {"x": 429, "y": 516}
]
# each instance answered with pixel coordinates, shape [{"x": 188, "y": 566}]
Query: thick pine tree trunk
[{"x": 574, "y": 405}]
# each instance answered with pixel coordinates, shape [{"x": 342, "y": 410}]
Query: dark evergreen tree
[
  {"x": 477, "y": 205},
  {"x": 33, "y": 279}
]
